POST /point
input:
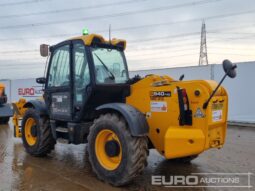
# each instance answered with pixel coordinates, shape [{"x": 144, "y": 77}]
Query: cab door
[
  {"x": 58, "y": 89},
  {"x": 81, "y": 79}
]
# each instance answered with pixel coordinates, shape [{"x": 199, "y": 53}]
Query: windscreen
[{"x": 110, "y": 66}]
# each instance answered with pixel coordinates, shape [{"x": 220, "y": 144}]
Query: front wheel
[
  {"x": 36, "y": 133},
  {"x": 115, "y": 155}
]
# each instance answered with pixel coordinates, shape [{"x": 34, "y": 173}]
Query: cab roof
[{"x": 95, "y": 38}]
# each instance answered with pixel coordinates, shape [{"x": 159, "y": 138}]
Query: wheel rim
[
  {"x": 30, "y": 137},
  {"x": 106, "y": 161}
]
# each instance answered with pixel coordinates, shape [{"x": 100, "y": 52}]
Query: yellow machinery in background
[
  {"x": 89, "y": 98},
  {"x": 5, "y": 109},
  {"x": 19, "y": 112}
]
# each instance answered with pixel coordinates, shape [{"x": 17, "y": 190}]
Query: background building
[{"x": 240, "y": 90}]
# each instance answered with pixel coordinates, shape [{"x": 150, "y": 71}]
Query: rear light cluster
[
  {"x": 185, "y": 99},
  {"x": 185, "y": 117}
]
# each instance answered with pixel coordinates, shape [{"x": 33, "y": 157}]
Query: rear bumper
[
  {"x": 6, "y": 111},
  {"x": 216, "y": 136},
  {"x": 181, "y": 142},
  {"x": 186, "y": 141}
]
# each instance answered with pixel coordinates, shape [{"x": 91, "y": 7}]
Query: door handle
[{"x": 77, "y": 108}]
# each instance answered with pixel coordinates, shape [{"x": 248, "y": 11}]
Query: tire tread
[
  {"x": 138, "y": 150},
  {"x": 46, "y": 141}
]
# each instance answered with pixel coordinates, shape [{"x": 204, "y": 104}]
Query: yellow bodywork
[
  {"x": 88, "y": 39},
  {"x": 19, "y": 112},
  {"x": 165, "y": 133},
  {"x": 31, "y": 140},
  {"x": 2, "y": 87},
  {"x": 109, "y": 163}
]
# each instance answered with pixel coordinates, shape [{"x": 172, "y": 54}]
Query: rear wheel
[
  {"x": 36, "y": 133},
  {"x": 115, "y": 155},
  {"x": 4, "y": 120}
]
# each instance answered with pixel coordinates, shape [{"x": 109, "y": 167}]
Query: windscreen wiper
[{"x": 107, "y": 69}]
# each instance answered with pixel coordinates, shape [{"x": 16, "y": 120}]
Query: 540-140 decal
[{"x": 160, "y": 94}]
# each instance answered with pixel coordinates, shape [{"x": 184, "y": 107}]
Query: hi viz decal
[{"x": 158, "y": 106}]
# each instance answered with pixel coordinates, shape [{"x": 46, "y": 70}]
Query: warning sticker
[
  {"x": 57, "y": 98},
  {"x": 199, "y": 113},
  {"x": 159, "y": 106},
  {"x": 216, "y": 115}
]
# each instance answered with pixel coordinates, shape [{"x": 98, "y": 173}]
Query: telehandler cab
[{"x": 89, "y": 98}]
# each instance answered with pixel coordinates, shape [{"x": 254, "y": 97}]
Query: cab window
[
  {"x": 59, "y": 73},
  {"x": 110, "y": 66}
]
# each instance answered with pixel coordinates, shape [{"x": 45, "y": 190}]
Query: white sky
[{"x": 159, "y": 34}]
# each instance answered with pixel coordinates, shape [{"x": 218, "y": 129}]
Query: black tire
[
  {"x": 45, "y": 141},
  {"x": 187, "y": 159},
  {"x": 4, "y": 120},
  {"x": 134, "y": 151}
]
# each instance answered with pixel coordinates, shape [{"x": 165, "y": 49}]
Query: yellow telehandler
[
  {"x": 89, "y": 98},
  {"x": 5, "y": 109}
]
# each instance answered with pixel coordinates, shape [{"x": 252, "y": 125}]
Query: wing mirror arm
[
  {"x": 41, "y": 80},
  {"x": 230, "y": 71},
  {"x": 181, "y": 77},
  {"x": 214, "y": 91}
]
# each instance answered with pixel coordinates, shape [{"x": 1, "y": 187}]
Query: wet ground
[{"x": 67, "y": 167}]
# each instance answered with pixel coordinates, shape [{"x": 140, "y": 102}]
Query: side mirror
[
  {"x": 229, "y": 68},
  {"x": 44, "y": 50},
  {"x": 41, "y": 80},
  {"x": 230, "y": 71}
]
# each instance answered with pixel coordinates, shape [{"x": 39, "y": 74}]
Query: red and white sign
[
  {"x": 158, "y": 106},
  {"x": 25, "y": 88},
  {"x": 34, "y": 91}
]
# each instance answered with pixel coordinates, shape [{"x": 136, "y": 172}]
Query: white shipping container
[
  {"x": 191, "y": 72},
  {"x": 241, "y": 92},
  {"x": 25, "y": 88}
]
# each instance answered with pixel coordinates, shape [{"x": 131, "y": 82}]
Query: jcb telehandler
[
  {"x": 89, "y": 98},
  {"x": 5, "y": 110}
]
